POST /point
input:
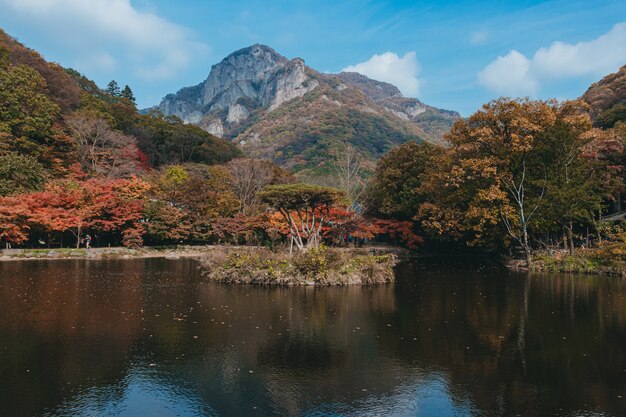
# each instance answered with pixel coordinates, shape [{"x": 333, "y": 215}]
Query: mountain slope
[
  {"x": 436, "y": 122},
  {"x": 607, "y": 98},
  {"x": 282, "y": 110},
  {"x": 60, "y": 87},
  {"x": 48, "y": 113}
]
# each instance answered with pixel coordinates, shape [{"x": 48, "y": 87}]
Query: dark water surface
[{"x": 151, "y": 338}]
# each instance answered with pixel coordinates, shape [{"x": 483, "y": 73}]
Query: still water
[{"x": 149, "y": 337}]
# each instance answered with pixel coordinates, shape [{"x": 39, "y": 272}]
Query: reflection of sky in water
[
  {"x": 140, "y": 393},
  {"x": 427, "y": 397},
  {"x": 146, "y": 391}
]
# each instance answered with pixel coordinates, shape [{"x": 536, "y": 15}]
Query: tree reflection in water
[{"x": 140, "y": 337}]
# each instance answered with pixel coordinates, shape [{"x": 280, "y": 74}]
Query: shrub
[{"x": 320, "y": 266}]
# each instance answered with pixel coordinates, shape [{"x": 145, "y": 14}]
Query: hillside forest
[{"x": 518, "y": 176}]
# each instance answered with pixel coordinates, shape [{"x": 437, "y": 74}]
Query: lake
[{"x": 149, "y": 337}]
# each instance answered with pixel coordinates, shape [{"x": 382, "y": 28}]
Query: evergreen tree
[
  {"x": 113, "y": 89},
  {"x": 127, "y": 93}
]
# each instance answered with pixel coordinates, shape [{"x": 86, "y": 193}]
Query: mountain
[
  {"x": 285, "y": 111},
  {"x": 607, "y": 98}
]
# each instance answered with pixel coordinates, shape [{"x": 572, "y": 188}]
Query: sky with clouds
[{"x": 450, "y": 54}]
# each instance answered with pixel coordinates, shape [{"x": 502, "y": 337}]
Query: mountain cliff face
[
  {"x": 282, "y": 110},
  {"x": 251, "y": 78},
  {"x": 607, "y": 98}
]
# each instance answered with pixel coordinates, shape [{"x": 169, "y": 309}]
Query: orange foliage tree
[
  {"x": 304, "y": 209},
  {"x": 96, "y": 204},
  {"x": 13, "y": 220}
]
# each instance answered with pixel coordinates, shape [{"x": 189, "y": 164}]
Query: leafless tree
[
  {"x": 249, "y": 177},
  {"x": 103, "y": 150},
  {"x": 348, "y": 172}
]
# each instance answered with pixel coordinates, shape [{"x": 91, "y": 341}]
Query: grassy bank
[
  {"x": 321, "y": 266},
  {"x": 102, "y": 253},
  {"x": 583, "y": 261}
]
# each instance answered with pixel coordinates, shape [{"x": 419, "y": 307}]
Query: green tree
[
  {"x": 580, "y": 174},
  {"x": 395, "y": 191},
  {"x": 19, "y": 174},
  {"x": 27, "y": 114},
  {"x": 127, "y": 93},
  {"x": 113, "y": 88}
]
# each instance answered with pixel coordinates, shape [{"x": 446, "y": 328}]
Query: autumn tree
[
  {"x": 506, "y": 164},
  {"x": 343, "y": 223},
  {"x": 13, "y": 220},
  {"x": 76, "y": 205},
  {"x": 123, "y": 209},
  {"x": 242, "y": 228},
  {"x": 198, "y": 193},
  {"x": 165, "y": 222},
  {"x": 304, "y": 209},
  {"x": 492, "y": 171},
  {"x": 62, "y": 206}
]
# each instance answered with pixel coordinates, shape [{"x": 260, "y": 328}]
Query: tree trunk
[
  {"x": 570, "y": 236},
  {"x": 528, "y": 255},
  {"x": 526, "y": 246},
  {"x": 78, "y": 238}
]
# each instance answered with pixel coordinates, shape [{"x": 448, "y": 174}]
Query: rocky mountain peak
[{"x": 248, "y": 79}]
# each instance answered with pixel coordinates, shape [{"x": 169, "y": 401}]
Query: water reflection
[{"x": 150, "y": 337}]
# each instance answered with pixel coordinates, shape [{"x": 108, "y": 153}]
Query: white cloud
[
  {"x": 515, "y": 74},
  {"x": 389, "y": 67},
  {"x": 597, "y": 57},
  {"x": 97, "y": 30},
  {"x": 510, "y": 75},
  {"x": 478, "y": 37}
]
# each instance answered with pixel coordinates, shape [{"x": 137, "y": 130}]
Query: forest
[{"x": 518, "y": 177}]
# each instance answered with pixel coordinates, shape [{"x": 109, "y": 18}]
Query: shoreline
[
  {"x": 112, "y": 253},
  {"x": 116, "y": 253},
  {"x": 581, "y": 263}
]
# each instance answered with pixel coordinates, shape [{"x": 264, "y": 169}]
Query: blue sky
[{"x": 450, "y": 54}]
